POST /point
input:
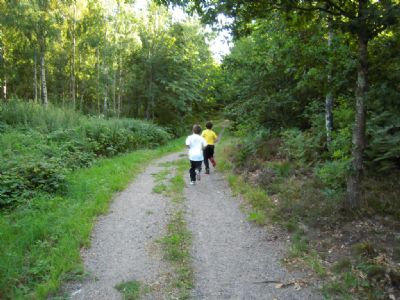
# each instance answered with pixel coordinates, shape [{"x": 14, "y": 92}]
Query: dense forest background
[
  {"x": 105, "y": 59},
  {"x": 311, "y": 89}
]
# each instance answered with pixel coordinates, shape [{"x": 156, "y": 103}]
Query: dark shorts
[{"x": 208, "y": 151}]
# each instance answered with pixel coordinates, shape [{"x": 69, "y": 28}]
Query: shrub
[
  {"x": 253, "y": 146},
  {"x": 383, "y": 150},
  {"x": 333, "y": 173},
  {"x": 301, "y": 147},
  {"x": 38, "y": 146}
]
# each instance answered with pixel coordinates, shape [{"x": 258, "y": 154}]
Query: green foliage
[
  {"x": 254, "y": 144},
  {"x": 384, "y": 146},
  {"x": 299, "y": 146},
  {"x": 107, "y": 59},
  {"x": 19, "y": 113},
  {"x": 334, "y": 173},
  {"x": 47, "y": 144}
]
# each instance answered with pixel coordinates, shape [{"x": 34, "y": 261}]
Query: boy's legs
[
  {"x": 194, "y": 165},
  {"x": 211, "y": 155},
  {"x": 207, "y": 154},
  {"x": 192, "y": 171},
  {"x": 198, "y": 169}
]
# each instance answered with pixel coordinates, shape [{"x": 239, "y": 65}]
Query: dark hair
[
  {"x": 196, "y": 129},
  {"x": 209, "y": 125}
]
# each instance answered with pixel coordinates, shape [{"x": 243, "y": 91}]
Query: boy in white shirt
[{"x": 196, "y": 144}]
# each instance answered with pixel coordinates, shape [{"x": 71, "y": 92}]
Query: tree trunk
[
  {"x": 105, "y": 105},
  {"x": 35, "y": 86},
  {"x": 329, "y": 95},
  {"x": 43, "y": 75},
  {"x": 5, "y": 88},
  {"x": 354, "y": 183},
  {"x": 114, "y": 91},
  {"x": 73, "y": 93},
  {"x": 98, "y": 80},
  {"x": 119, "y": 90}
]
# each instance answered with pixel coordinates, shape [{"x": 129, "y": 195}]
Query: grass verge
[
  {"x": 178, "y": 240},
  {"x": 40, "y": 242}
]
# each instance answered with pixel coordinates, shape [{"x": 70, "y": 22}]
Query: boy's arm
[
  {"x": 187, "y": 143},
  {"x": 204, "y": 144}
]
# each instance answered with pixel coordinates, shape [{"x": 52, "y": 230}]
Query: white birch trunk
[{"x": 329, "y": 95}]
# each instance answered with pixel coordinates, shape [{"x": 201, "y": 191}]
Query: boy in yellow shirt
[{"x": 211, "y": 139}]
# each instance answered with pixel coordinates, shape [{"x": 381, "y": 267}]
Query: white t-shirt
[{"x": 196, "y": 145}]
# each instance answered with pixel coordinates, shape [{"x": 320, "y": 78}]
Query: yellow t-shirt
[{"x": 209, "y": 136}]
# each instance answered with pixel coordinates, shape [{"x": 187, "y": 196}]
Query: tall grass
[
  {"x": 39, "y": 147},
  {"x": 17, "y": 113},
  {"x": 40, "y": 242}
]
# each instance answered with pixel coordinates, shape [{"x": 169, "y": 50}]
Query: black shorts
[{"x": 208, "y": 151}]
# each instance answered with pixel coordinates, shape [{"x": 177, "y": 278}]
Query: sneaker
[
  {"x": 208, "y": 171},
  {"x": 192, "y": 182},
  {"x": 198, "y": 175},
  {"x": 213, "y": 162}
]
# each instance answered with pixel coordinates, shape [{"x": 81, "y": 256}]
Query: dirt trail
[
  {"x": 123, "y": 246},
  {"x": 233, "y": 258},
  {"x": 230, "y": 256}
]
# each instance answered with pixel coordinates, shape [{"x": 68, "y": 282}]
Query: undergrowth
[
  {"x": 305, "y": 197},
  {"x": 39, "y": 147}
]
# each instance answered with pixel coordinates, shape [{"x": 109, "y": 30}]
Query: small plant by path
[{"x": 132, "y": 290}]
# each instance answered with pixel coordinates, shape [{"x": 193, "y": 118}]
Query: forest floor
[{"x": 132, "y": 246}]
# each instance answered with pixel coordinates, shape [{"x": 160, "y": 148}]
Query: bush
[
  {"x": 383, "y": 152},
  {"x": 38, "y": 146},
  {"x": 301, "y": 147},
  {"x": 333, "y": 173},
  {"x": 253, "y": 148}
]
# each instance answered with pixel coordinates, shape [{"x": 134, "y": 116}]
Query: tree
[{"x": 364, "y": 19}]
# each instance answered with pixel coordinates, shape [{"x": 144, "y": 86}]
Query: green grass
[
  {"x": 177, "y": 242},
  {"x": 132, "y": 290},
  {"x": 40, "y": 242},
  {"x": 159, "y": 188}
]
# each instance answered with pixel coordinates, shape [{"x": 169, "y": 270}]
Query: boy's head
[
  {"x": 196, "y": 129},
  {"x": 209, "y": 125}
]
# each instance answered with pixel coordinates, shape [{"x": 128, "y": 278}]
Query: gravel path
[
  {"x": 230, "y": 256},
  {"x": 123, "y": 246}
]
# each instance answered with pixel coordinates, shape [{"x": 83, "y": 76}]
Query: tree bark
[
  {"x": 105, "y": 105},
  {"x": 329, "y": 95},
  {"x": 119, "y": 89},
  {"x": 354, "y": 183},
  {"x": 114, "y": 91},
  {"x": 35, "y": 85},
  {"x": 5, "y": 88},
  {"x": 73, "y": 93},
  {"x": 43, "y": 72},
  {"x": 98, "y": 80}
]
